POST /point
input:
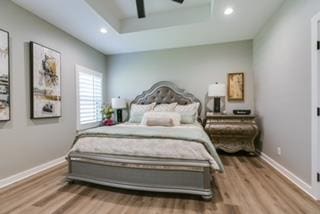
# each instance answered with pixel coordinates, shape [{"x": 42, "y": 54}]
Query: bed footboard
[{"x": 186, "y": 180}]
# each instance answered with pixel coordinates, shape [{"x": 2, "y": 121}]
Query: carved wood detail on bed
[{"x": 166, "y": 92}]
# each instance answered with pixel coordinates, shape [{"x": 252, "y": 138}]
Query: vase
[{"x": 108, "y": 122}]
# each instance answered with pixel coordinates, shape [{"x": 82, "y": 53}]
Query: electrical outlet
[{"x": 279, "y": 151}]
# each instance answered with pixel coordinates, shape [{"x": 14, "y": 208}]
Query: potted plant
[{"x": 107, "y": 112}]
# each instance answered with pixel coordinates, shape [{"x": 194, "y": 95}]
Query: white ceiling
[
  {"x": 122, "y": 14},
  {"x": 168, "y": 24}
]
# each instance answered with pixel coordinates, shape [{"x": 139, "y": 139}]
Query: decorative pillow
[
  {"x": 165, "y": 107},
  {"x": 160, "y": 122},
  {"x": 161, "y": 119},
  {"x": 188, "y": 112},
  {"x": 137, "y": 111},
  {"x": 188, "y": 117}
]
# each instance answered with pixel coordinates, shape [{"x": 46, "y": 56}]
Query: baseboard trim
[
  {"x": 277, "y": 166},
  {"x": 30, "y": 172},
  {"x": 288, "y": 174}
]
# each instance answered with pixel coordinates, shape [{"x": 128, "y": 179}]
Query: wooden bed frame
[{"x": 147, "y": 174}]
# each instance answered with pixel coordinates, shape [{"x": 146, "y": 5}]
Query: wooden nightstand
[{"x": 232, "y": 133}]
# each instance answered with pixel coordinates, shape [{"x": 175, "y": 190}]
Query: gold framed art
[{"x": 236, "y": 87}]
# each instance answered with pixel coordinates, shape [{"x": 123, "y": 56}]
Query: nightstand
[{"x": 232, "y": 133}]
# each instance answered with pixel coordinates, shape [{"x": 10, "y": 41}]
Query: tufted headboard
[{"x": 166, "y": 92}]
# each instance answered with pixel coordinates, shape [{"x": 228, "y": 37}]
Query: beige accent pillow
[
  {"x": 160, "y": 122},
  {"x": 161, "y": 119}
]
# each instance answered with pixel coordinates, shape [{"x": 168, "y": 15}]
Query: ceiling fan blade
[
  {"x": 140, "y": 9},
  {"x": 178, "y": 1}
]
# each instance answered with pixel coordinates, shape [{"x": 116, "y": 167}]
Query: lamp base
[
  {"x": 217, "y": 107},
  {"x": 119, "y": 115}
]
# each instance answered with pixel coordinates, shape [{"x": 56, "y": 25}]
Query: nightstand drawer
[
  {"x": 231, "y": 129},
  {"x": 232, "y": 133}
]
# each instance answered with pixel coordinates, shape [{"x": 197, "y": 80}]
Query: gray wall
[
  {"x": 192, "y": 68},
  {"x": 282, "y": 68},
  {"x": 26, "y": 143}
]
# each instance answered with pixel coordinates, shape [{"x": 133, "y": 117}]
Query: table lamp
[
  {"x": 217, "y": 91},
  {"x": 118, "y": 104}
]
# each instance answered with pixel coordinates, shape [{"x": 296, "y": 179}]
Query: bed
[{"x": 160, "y": 159}]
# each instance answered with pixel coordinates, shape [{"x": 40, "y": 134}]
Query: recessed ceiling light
[
  {"x": 228, "y": 11},
  {"x": 103, "y": 31}
]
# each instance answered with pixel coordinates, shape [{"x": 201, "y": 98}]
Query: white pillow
[
  {"x": 161, "y": 119},
  {"x": 165, "y": 107},
  {"x": 137, "y": 111},
  {"x": 193, "y": 107},
  {"x": 188, "y": 112}
]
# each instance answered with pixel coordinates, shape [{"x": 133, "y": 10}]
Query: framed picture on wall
[
  {"x": 236, "y": 87},
  {"x": 45, "y": 81},
  {"x": 4, "y": 76}
]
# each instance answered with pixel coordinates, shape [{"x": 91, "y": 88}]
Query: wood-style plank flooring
[{"x": 248, "y": 186}]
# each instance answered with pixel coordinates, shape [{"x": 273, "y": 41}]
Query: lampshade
[
  {"x": 217, "y": 90},
  {"x": 118, "y": 103}
]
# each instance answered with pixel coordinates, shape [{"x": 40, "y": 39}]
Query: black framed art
[
  {"x": 4, "y": 76},
  {"x": 45, "y": 84}
]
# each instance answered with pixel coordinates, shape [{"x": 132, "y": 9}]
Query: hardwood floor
[{"x": 248, "y": 186}]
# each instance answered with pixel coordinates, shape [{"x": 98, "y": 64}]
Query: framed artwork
[
  {"x": 236, "y": 87},
  {"x": 4, "y": 76},
  {"x": 45, "y": 82}
]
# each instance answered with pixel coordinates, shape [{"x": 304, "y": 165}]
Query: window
[{"x": 89, "y": 97}]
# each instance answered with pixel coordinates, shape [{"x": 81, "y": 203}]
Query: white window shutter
[{"x": 89, "y": 95}]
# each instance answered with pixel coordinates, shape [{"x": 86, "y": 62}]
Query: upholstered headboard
[{"x": 166, "y": 92}]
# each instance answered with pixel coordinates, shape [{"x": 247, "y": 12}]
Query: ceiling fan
[{"x": 140, "y": 7}]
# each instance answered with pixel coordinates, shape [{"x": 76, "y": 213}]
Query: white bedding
[{"x": 149, "y": 147}]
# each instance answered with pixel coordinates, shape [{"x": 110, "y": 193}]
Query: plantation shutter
[{"x": 89, "y": 97}]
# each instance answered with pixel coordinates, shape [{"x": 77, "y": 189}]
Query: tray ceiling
[{"x": 167, "y": 25}]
